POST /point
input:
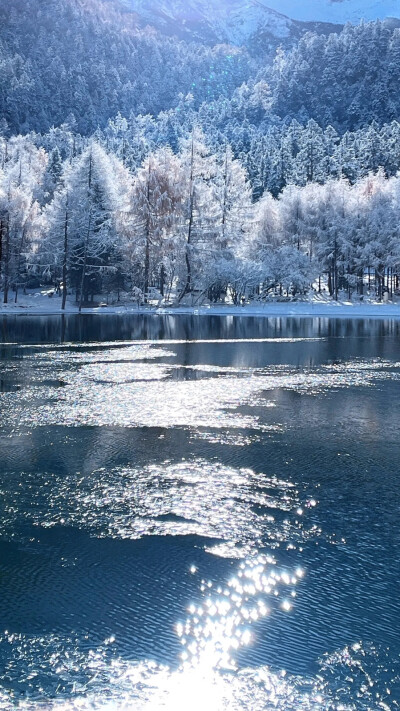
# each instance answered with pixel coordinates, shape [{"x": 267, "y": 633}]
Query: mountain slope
[
  {"x": 337, "y": 11},
  {"x": 233, "y": 23},
  {"x": 236, "y": 22},
  {"x": 348, "y": 80},
  {"x": 88, "y": 63}
]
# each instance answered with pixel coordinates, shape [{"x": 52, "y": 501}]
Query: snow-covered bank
[
  {"x": 41, "y": 304},
  {"x": 295, "y": 309}
]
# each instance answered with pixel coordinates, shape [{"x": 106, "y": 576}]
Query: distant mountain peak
[
  {"x": 337, "y": 11},
  {"x": 234, "y": 22}
]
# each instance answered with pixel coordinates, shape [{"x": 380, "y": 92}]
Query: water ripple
[
  {"x": 245, "y": 521},
  {"x": 83, "y": 679},
  {"x": 238, "y": 506}
]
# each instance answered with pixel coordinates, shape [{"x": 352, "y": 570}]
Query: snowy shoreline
[{"x": 302, "y": 309}]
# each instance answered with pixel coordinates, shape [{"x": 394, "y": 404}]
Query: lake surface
[{"x": 199, "y": 513}]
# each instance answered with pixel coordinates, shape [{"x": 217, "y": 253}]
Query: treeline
[
  {"x": 185, "y": 224},
  {"x": 275, "y": 154}
]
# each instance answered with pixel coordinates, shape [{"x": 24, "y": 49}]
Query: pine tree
[{"x": 82, "y": 223}]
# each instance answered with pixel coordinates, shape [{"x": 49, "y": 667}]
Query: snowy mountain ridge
[
  {"x": 337, "y": 11},
  {"x": 239, "y": 22},
  {"x": 234, "y": 22}
]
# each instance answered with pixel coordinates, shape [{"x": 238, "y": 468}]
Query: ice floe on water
[{"x": 144, "y": 386}]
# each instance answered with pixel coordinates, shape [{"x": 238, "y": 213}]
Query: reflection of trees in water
[{"x": 106, "y": 327}]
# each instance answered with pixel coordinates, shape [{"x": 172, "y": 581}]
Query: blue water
[{"x": 199, "y": 513}]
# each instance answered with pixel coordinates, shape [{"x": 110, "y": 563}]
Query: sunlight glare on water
[{"x": 200, "y": 525}]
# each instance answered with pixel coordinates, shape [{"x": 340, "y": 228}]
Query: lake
[{"x": 199, "y": 513}]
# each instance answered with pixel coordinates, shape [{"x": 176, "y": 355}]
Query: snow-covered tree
[
  {"x": 153, "y": 225},
  {"x": 82, "y": 234},
  {"x": 20, "y": 185}
]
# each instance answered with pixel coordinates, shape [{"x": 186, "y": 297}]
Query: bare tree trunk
[
  {"x": 330, "y": 282},
  {"x": 335, "y": 273},
  {"x": 85, "y": 261},
  {"x": 146, "y": 270},
  {"x": 19, "y": 259},
  {"x": 1, "y": 243},
  {"x": 147, "y": 249},
  {"x": 87, "y": 238},
  {"x": 65, "y": 259},
  {"x": 225, "y": 202},
  {"x": 7, "y": 262},
  {"x": 188, "y": 285},
  {"x": 162, "y": 280}
]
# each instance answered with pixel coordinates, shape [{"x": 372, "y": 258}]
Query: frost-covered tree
[
  {"x": 232, "y": 221},
  {"x": 21, "y": 177},
  {"x": 200, "y": 211},
  {"x": 153, "y": 226},
  {"x": 82, "y": 235}
]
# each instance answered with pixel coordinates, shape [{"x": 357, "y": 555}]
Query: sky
[{"x": 336, "y": 10}]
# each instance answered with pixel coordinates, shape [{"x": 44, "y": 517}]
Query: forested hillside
[
  {"x": 346, "y": 80},
  {"x": 133, "y": 162},
  {"x": 81, "y": 61}
]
